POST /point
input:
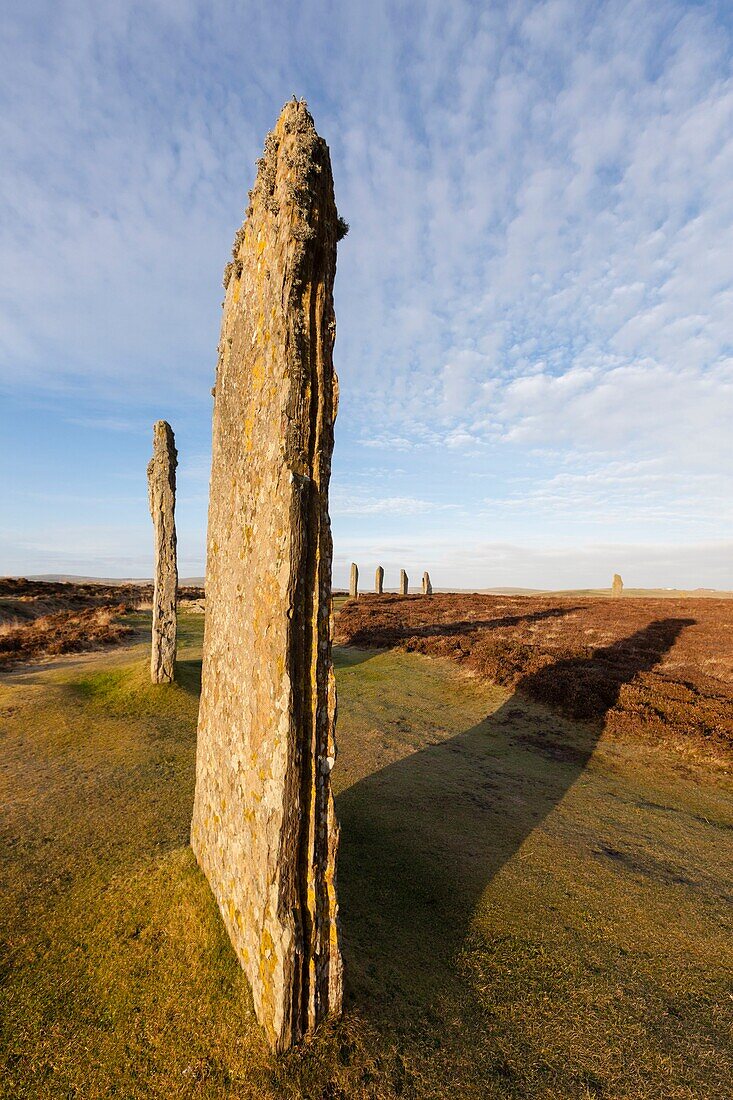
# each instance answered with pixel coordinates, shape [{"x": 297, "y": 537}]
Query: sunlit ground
[{"x": 527, "y": 910}]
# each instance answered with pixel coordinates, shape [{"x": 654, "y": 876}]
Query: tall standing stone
[
  {"x": 162, "y": 501},
  {"x": 264, "y": 829},
  {"x": 354, "y": 581},
  {"x": 404, "y": 582},
  {"x": 427, "y": 588},
  {"x": 379, "y": 581},
  {"x": 617, "y": 587}
]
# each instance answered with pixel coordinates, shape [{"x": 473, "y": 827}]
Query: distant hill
[
  {"x": 639, "y": 593},
  {"x": 73, "y": 578},
  {"x": 647, "y": 593}
]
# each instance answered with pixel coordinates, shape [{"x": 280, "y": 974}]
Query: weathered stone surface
[
  {"x": 264, "y": 829},
  {"x": 379, "y": 581},
  {"x": 404, "y": 582},
  {"x": 427, "y": 588},
  {"x": 354, "y": 581},
  {"x": 162, "y": 501},
  {"x": 617, "y": 587}
]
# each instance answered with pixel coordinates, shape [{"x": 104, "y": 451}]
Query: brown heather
[{"x": 661, "y": 668}]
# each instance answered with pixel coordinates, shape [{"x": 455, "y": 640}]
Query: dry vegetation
[
  {"x": 46, "y": 618},
  {"x": 63, "y": 632},
  {"x": 22, "y": 600},
  {"x": 661, "y": 669}
]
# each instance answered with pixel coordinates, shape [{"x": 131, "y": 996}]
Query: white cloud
[
  {"x": 344, "y": 503},
  {"x": 540, "y": 262},
  {"x": 607, "y": 492}
]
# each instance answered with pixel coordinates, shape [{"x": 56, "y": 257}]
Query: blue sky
[{"x": 534, "y": 303}]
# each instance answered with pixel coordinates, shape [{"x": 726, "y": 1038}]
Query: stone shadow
[
  {"x": 188, "y": 672},
  {"x": 188, "y": 675},
  {"x": 387, "y": 634},
  {"x": 351, "y": 656},
  {"x": 422, "y": 837}
]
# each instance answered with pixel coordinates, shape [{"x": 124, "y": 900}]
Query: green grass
[{"x": 527, "y": 910}]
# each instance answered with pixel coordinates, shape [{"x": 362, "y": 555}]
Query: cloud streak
[{"x": 538, "y": 282}]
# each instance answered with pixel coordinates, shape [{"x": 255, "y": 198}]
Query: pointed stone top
[
  {"x": 296, "y": 109},
  {"x": 164, "y": 440},
  {"x": 294, "y": 139},
  {"x": 293, "y": 181}
]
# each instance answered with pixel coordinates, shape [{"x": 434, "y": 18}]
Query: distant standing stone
[
  {"x": 427, "y": 588},
  {"x": 617, "y": 587},
  {"x": 379, "y": 581},
  {"x": 354, "y": 581},
  {"x": 264, "y": 829},
  {"x": 404, "y": 581},
  {"x": 162, "y": 501}
]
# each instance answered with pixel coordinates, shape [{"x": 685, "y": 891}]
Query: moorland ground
[
  {"x": 41, "y": 618},
  {"x": 647, "y": 669},
  {"x": 535, "y": 903}
]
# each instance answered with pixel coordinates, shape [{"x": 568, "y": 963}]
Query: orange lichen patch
[{"x": 258, "y": 373}]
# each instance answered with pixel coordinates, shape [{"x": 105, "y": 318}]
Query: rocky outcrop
[
  {"x": 379, "y": 581},
  {"x": 427, "y": 588},
  {"x": 162, "y": 501},
  {"x": 617, "y": 587},
  {"x": 264, "y": 829},
  {"x": 404, "y": 582},
  {"x": 354, "y": 581}
]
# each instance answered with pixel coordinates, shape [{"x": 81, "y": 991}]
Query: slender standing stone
[
  {"x": 427, "y": 588},
  {"x": 403, "y": 582},
  {"x": 379, "y": 581},
  {"x": 264, "y": 829},
  {"x": 617, "y": 587},
  {"x": 354, "y": 581},
  {"x": 162, "y": 501}
]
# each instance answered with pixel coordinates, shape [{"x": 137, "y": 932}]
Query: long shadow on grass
[
  {"x": 351, "y": 656},
  {"x": 188, "y": 672},
  {"x": 422, "y": 837},
  {"x": 391, "y": 633},
  {"x": 188, "y": 676}
]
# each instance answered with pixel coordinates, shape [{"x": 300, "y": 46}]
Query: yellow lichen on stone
[
  {"x": 258, "y": 373},
  {"x": 249, "y": 424},
  {"x": 263, "y": 829}
]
